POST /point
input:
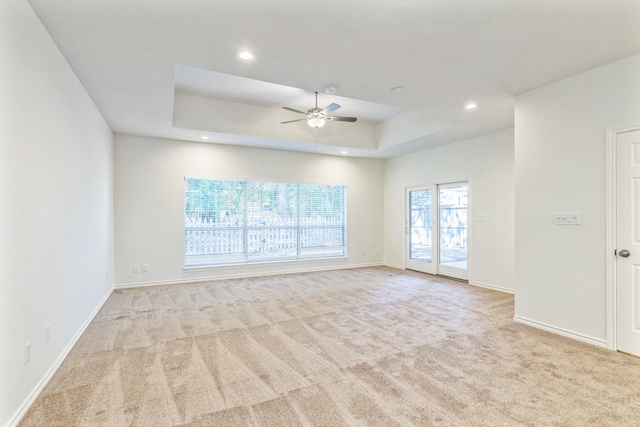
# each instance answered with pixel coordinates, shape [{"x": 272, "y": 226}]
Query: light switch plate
[{"x": 568, "y": 218}]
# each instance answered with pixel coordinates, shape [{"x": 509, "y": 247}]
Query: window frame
[{"x": 249, "y": 228}]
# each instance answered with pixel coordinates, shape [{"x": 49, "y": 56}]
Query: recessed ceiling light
[
  {"x": 471, "y": 106},
  {"x": 330, "y": 89},
  {"x": 205, "y": 137},
  {"x": 245, "y": 54}
]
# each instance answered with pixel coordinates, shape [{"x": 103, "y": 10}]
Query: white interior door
[
  {"x": 436, "y": 229},
  {"x": 628, "y": 242}
]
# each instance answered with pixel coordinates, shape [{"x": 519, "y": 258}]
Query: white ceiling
[{"x": 168, "y": 68}]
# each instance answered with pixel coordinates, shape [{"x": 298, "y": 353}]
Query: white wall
[
  {"x": 560, "y": 134},
  {"x": 149, "y": 203},
  {"x": 56, "y": 199},
  {"x": 487, "y": 162}
]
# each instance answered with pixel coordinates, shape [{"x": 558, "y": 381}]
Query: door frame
[
  {"x": 436, "y": 186},
  {"x": 611, "y": 230}
]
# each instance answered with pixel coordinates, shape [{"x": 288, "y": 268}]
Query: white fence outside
[{"x": 224, "y": 240}]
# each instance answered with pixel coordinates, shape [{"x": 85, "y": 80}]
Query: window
[{"x": 229, "y": 222}]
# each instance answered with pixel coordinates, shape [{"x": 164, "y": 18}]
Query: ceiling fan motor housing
[{"x": 315, "y": 113}]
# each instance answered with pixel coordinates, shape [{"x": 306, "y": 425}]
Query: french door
[
  {"x": 436, "y": 229},
  {"x": 419, "y": 225}
]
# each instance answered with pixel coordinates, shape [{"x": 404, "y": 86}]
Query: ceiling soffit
[{"x": 214, "y": 102}]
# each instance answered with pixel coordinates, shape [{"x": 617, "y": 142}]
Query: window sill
[{"x": 257, "y": 265}]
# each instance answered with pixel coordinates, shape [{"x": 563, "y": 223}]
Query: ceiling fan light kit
[
  {"x": 317, "y": 117},
  {"x": 316, "y": 122}
]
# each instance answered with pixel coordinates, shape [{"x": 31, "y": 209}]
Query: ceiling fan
[{"x": 316, "y": 117}]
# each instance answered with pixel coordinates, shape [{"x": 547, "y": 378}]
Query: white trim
[
  {"x": 17, "y": 417},
  {"x": 257, "y": 264},
  {"x": 477, "y": 284},
  {"x": 392, "y": 265},
  {"x": 559, "y": 331},
  {"x": 492, "y": 287},
  {"x": 243, "y": 275},
  {"x": 610, "y": 244},
  {"x": 248, "y": 177},
  {"x": 470, "y": 226}
]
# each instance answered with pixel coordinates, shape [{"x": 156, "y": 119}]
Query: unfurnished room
[{"x": 337, "y": 213}]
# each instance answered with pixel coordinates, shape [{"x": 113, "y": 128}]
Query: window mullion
[
  {"x": 245, "y": 248},
  {"x": 298, "y": 230}
]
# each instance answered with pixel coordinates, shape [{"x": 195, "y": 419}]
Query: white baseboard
[
  {"x": 17, "y": 417},
  {"x": 492, "y": 287},
  {"x": 470, "y": 282},
  {"x": 398, "y": 266},
  {"x": 243, "y": 274},
  {"x": 560, "y": 331}
]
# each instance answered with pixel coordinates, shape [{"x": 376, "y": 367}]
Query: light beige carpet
[{"x": 374, "y": 346}]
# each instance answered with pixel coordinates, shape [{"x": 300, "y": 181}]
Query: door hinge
[{"x": 615, "y": 252}]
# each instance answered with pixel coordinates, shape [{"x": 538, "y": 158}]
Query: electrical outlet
[
  {"x": 47, "y": 332},
  {"x": 27, "y": 353},
  {"x": 363, "y": 252},
  {"x": 136, "y": 268},
  {"x": 145, "y": 268}
]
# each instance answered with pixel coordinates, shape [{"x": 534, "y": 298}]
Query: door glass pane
[
  {"x": 453, "y": 226},
  {"x": 420, "y": 225}
]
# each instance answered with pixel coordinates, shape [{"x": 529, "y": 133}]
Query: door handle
[{"x": 624, "y": 253}]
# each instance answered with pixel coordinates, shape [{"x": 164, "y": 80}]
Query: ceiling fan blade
[
  {"x": 291, "y": 121},
  {"x": 330, "y": 108},
  {"x": 341, "y": 119},
  {"x": 295, "y": 111}
]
